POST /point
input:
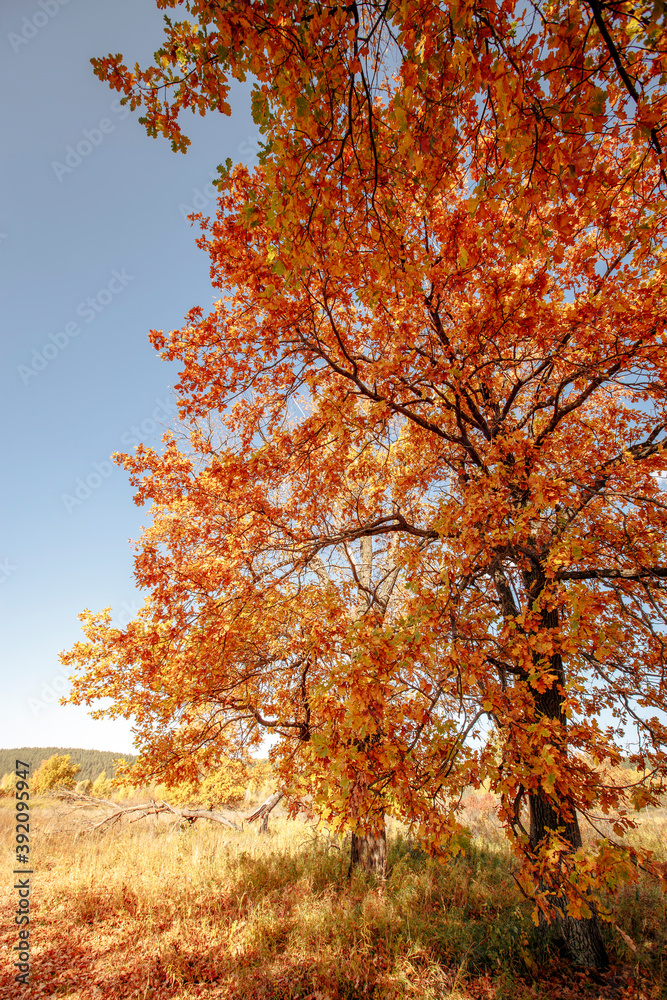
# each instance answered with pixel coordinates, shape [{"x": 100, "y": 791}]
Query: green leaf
[{"x": 598, "y": 101}]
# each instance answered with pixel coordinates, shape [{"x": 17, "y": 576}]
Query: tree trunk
[
  {"x": 582, "y": 937},
  {"x": 369, "y": 851}
]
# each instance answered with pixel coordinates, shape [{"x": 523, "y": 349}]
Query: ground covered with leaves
[{"x": 153, "y": 911}]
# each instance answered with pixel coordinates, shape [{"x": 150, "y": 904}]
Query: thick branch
[
  {"x": 144, "y": 810},
  {"x": 613, "y": 574},
  {"x": 265, "y": 807}
]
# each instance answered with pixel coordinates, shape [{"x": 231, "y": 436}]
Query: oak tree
[
  {"x": 528, "y": 380},
  {"x": 457, "y": 228}
]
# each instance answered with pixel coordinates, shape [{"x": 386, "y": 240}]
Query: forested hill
[{"x": 90, "y": 761}]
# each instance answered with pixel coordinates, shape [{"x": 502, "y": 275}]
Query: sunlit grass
[{"x": 154, "y": 910}]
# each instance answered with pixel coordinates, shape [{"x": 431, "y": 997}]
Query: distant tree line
[
  {"x": 226, "y": 785},
  {"x": 90, "y": 762}
]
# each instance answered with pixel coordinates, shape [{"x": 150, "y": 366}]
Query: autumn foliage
[
  {"x": 418, "y": 532},
  {"x": 56, "y": 772}
]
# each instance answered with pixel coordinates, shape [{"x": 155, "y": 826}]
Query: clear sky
[{"x": 94, "y": 252}]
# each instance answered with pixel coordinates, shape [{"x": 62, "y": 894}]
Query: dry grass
[{"x": 153, "y": 911}]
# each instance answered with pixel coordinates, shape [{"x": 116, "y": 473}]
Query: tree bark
[
  {"x": 582, "y": 937},
  {"x": 368, "y": 851}
]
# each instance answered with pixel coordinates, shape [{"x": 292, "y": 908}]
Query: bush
[
  {"x": 56, "y": 772},
  {"x": 102, "y": 787},
  {"x": 225, "y": 786}
]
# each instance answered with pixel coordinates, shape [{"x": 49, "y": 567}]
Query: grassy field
[{"x": 153, "y": 911}]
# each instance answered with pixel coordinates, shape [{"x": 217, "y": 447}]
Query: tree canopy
[{"x": 446, "y": 333}]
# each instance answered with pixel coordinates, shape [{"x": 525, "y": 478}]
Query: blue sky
[{"x": 94, "y": 253}]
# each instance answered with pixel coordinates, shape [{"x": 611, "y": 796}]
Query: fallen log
[
  {"x": 262, "y": 812},
  {"x": 138, "y": 812}
]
